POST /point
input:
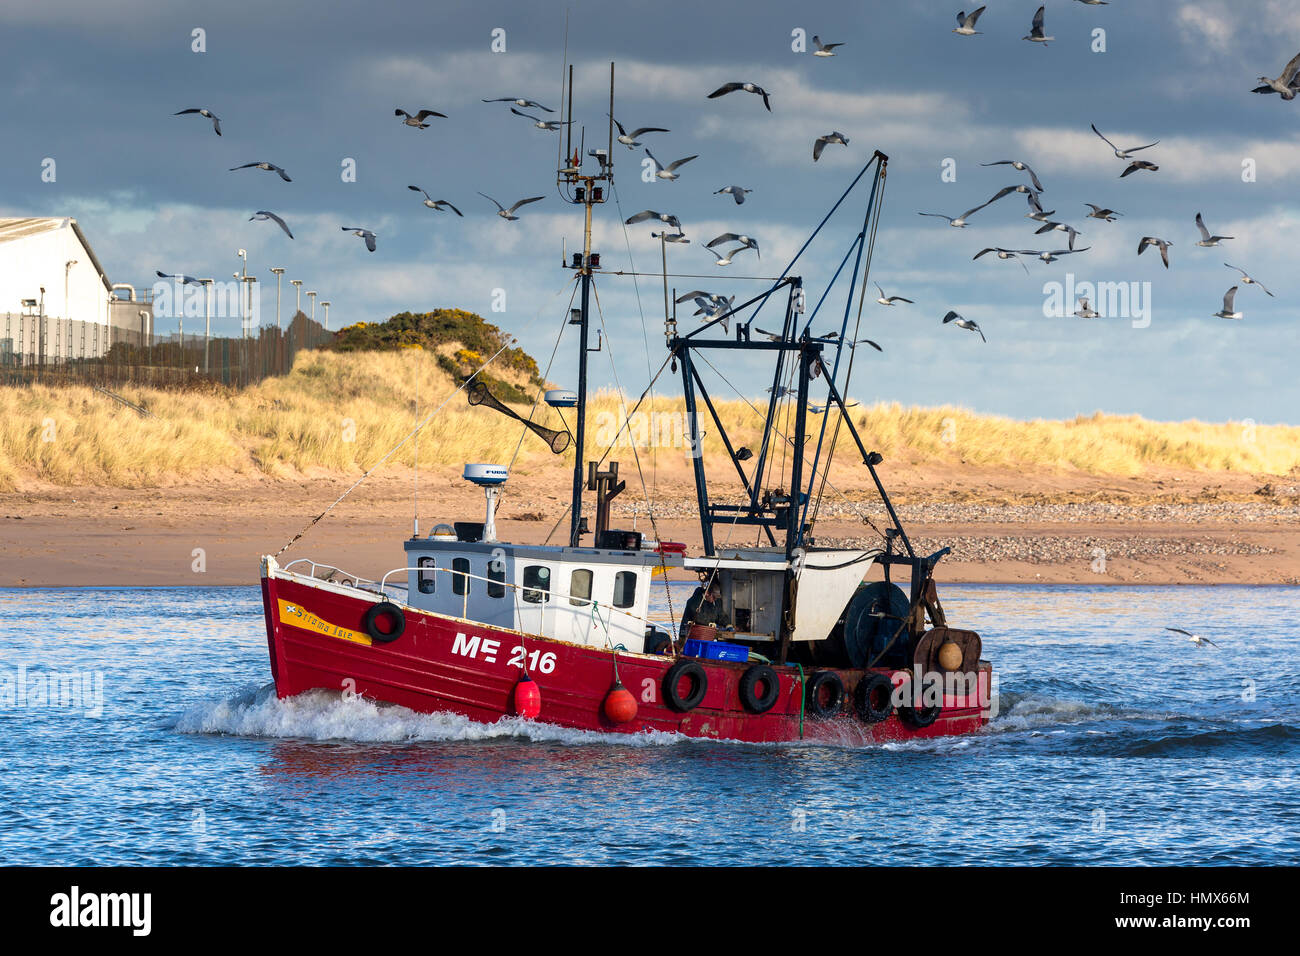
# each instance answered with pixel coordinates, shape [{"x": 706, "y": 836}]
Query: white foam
[{"x": 326, "y": 715}]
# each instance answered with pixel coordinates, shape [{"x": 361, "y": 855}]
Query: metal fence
[{"x": 72, "y": 352}]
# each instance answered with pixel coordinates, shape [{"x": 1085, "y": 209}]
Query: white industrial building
[{"x": 80, "y": 313}]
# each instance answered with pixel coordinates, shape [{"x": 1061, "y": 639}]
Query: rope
[
  {"x": 848, "y": 375},
  {"x": 636, "y": 457},
  {"x": 411, "y": 434},
  {"x": 645, "y": 335},
  {"x": 801, "y": 698}
]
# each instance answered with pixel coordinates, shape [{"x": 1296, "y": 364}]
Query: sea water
[{"x": 1116, "y": 742}]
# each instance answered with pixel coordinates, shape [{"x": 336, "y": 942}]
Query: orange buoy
[
  {"x": 528, "y": 698},
  {"x": 620, "y": 705}
]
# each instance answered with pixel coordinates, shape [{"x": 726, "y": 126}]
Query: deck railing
[{"x": 381, "y": 586}]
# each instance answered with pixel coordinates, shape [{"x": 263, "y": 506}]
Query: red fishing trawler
[{"x": 802, "y": 647}]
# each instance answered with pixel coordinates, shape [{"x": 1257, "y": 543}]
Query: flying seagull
[
  {"x": 966, "y": 23},
  {"x": 630, "y": 139},
  {"x": 669, "y": 171},
  {"x": 1008, "y": 190},
  {"x": 667, "y": 236},
  {"x": 968, "y": 324},
  {"x": 1050, "y": 226},
  {"x": 770, "y": 335},
  {"x": 1194, "y": 638},
  {"x": 1002, "y": 254},
  {"x": 1228, "y": 312},
  {"x": 1036, "y": 30},
  {"x": 1286, "y": 84},
  {"x": 712, "y": 306},
  {"x": 645, "y": 214},
  {"x": 436, "y": 203},
  {"x": 1139, "y": 164},
  {"x": 365, "y": 234},
  {"x": 184, "y": 279},
  {"x": 890, "y": 299},
  {"x": 269, "y": 167},
  {"x": 418, "y": 120},
  {"x": 1247, "y": 280},
  {"x": 1051, "y": 255},
  {"x": 745, "y": 241},
  {"x": 263, "y": 216},
  {"x": 523, "y": 104},
  {"x": 1107, "y": 215},
  {"x": 960, "y": 221},
  {"x": 821, "y": 409},
  {"x": 832, "y": 137},
  {"x": 1121, "y": 153},
  {"x": 1207, "y": 240},
  {"x": 216, "y": 120},
  {"x": 856, "y": 342},
  {"x": 1036, "y": 208},
  {"x": 701, "y": 294},
  {"x": 509, "y": 214},
  {"x": 824, "y": 49},
  {"x": 725, "y": 260},
  {"x": 1022, "y": 167},
  {"x": 1162, "y": 244},
  {"x": 1083, "y": 311},
  {"x": 736, "y": 192},
  {"x": 549, "y": 125},
  {"x": 726, "y": 88}
]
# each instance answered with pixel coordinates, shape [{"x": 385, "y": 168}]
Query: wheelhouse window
[
  {"x": 459, "y": 578},
  {"x": 537, "y": 583},
  {"x": 496, "y": 578},
  {"x": 624, "y": 589},
  {"x": 425, "y": 578},
  {"x": 580, "y": 587}
]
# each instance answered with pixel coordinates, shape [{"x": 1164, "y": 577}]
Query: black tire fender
[
  {"x": 384, "y": 609},
  {"x": 699, "y": 685},
  {"x": 919, "y": 717},
  {"x": 751, "y": 680},
  {"x": 873, "y": 698},
  {"x": 813, "y": 696}
]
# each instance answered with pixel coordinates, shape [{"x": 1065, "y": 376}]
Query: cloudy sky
[{"x": 311, "y": 86}]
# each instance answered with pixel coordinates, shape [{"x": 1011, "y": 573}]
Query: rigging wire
[
  {"x": 636, "y": 457},
  {"x": 645, "y": 335},
  {"x": 866, "y": 519},
  {"x": 848, "y": 375}
]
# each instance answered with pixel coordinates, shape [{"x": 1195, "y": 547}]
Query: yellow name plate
[{"x": 298, "y": 616}]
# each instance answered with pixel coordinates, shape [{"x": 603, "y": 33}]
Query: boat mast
[{"x": 583, "y": 189}]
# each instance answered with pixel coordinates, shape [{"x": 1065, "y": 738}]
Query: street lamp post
[
  {"x": 248, "y": 285},
  {"x": 279, "y": 274},
  {"x": 326, "y": 307},
  {"x": 207, "y": 320},
  {"x": 40, "y": 325},
  {"x": 297, "y": 284},
  {"x": 67, "y": 313},
  {"x": 312, "y": 296}
]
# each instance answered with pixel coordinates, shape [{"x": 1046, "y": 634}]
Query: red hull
[{"x": 442, "y": 664}]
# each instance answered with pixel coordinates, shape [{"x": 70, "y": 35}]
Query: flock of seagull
[{"x": 711, "y": 305}]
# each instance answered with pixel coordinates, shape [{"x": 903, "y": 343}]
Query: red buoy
[
  {"x": 620, "y": 705},
  {"x": 528, "y": 698}
]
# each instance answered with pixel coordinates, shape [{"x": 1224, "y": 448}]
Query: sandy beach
[{"x": 1049, "y": 527}]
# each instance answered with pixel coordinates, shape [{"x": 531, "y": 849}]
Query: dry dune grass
[{"x": 342, "y": 412}]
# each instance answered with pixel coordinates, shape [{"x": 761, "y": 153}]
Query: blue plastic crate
[{"x": 716, "y": 651}]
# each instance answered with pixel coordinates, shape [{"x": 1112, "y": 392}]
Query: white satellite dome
[
  {"x": 561, "y": 398},
  {"x": 482, "y": 474}
]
